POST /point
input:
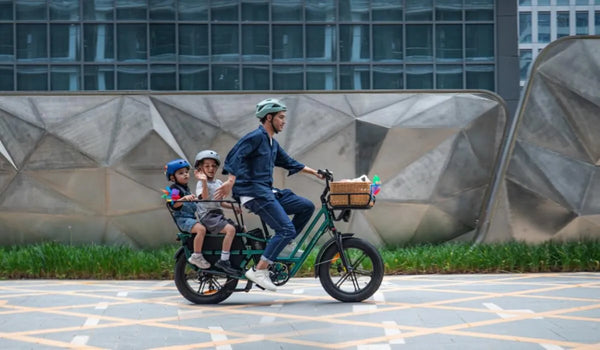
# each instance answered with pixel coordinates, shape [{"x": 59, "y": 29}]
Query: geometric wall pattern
[
  {"x": 88, "y": 168},
  {"x": 551, "y": 189}
]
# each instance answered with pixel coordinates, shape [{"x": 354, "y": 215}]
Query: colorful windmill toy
[
  {"x": 170, "y": 195},
  {"x": 376, "y": 185}
]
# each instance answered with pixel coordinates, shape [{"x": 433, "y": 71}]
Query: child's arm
[{"x": 202, "y": 187}]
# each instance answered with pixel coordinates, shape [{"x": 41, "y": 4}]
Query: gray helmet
[
  {"x": 207, "y": 154},
  {"x": 270, "y": 105}
]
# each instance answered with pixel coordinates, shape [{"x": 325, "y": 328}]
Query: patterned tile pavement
[{"x": 504, "y": 311}]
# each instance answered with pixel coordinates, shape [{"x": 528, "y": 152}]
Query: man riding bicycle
[{"x": 249, "y": 166}]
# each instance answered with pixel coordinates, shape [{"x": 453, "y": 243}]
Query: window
[
  {"x": 320, "y": 10},
  {"x": 524, "y": 27},
  {"x": 597, "y": 22},
  {"x": 131, "y": 42},
  {"x": 31, "y": 44},
  {"x": 65, "y": 78},
  {"x": 193, "y": 77},
  {"x": 354, "y": 78},
  {"x": 64, "y": 42},
  {"x": 543, "y": 27},
  {"x": 387, "y": 43},
  {"x": 449, "y": 77},
  {"x": 64, "y": 10},
  {"x": 354, "y": 43},
  {"x": 255, "y": 42},
  {"x": 224, "y": 10},
  {"x": 225, "y": 42},
  {"x": 255, "y": 10},
  {"x": 448, "y": 10},
  {"x": 543, "y": 2},
  {"x": 287, "y": 43},
  {"x": 479, "y": 10},
  {"x": 31, "y": 10},
  {"x": 581, "y": 22},
  {"x": 419, "y": 77},
  {"x": 99, "y": 10},
  {"x": 321, "y": 78},
  {"x": 131, "y": 9},
  {"x": 419, "y": 10},
  {"x": 524, "y": 62},
  {"x": 6, "y": 78},
  {"x": 193, "y": 10},
  {"x": 6, "y": 42},
  {"x": 388, "y": 77},
  {"x": 562, "y": 24},
  {"x": 193, "y": 42},
  {"x": 225, "y": 77},
  {"x": 98, "y": 42},
  {"x": 99, "y": 78},
  {"x": 162, "y": 9},
  {"x": 256, "y": 77},
  {"x": 582, "y": 2},
  {"x": 479, "y": 42},
  {"x": 132, "y": 78},
  {"x": 448, "y": 42},
  {"x": 562, "y": 2},
  {"x": 386, "y": 10},
  {"x": 288, "y": 77},
  {"x": 162, "y": 77},
  {"x": 286, "y": 10},
  {"x": 320, "y": 43},
  {"x": 419, "y": 42},
  {"x": 32, "y": 78},
  {"x": 480, "y": 77},
  {"x": 6, "y": 10},
  {"x": 162, "y": 42},
  {"x": 524, "y": 2},
  {"x": 354, "y": 10}
]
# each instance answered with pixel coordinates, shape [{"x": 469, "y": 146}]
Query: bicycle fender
[
  {"x": 324, "y": 248},
  {"x": 179, "y": 251}
]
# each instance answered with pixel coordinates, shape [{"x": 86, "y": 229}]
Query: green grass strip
[{"x": 60, "y": 261}]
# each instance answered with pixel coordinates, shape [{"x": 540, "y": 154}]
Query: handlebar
[{"x": 328, "y": 175}]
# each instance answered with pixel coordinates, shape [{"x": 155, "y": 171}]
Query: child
[
  {"x": 178, "y": 172},
  {"x": 210, "y": 213}
]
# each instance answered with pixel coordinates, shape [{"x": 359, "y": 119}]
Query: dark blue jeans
[{"x": 275, "y": 211}]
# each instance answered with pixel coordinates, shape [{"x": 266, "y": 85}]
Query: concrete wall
[{"x": 89, "y": 168}]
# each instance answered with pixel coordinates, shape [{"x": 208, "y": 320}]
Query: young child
[
  {"x": 210, "y": 213},
  {"x": 178, "y": 172}
]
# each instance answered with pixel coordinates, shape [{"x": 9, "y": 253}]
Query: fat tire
[
  {"x": 362, "y": 292},
  {"x": 185, "y": 273}
]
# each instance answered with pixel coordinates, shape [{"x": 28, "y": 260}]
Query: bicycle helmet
[
  {"x": 175, "y": 165},
  {"x": 270, "y": 105},
  {"x": 207, "y": 154}
]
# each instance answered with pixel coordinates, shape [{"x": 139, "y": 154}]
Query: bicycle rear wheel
[
  {"x": 200, "y": 287},
  {"x": 360, "y": 281}
]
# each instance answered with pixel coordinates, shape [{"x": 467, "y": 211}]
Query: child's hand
[
  {"x": 200, "y": 175},
  {"x": 189, "y": 197}
]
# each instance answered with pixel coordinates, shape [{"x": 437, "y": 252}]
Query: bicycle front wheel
[
  {"x": 360, "y": 280},
  {"x": 201, "y": 287}
]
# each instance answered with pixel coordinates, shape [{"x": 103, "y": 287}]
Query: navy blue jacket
[{"x": 252, "y": 160}]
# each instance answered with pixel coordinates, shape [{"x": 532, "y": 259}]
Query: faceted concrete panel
[{"x": 102, "y": 157}]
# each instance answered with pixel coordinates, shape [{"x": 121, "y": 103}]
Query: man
[{"x": 249, "y": 166}]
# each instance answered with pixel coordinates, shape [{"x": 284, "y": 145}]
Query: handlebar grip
[{"x": 326, "y": 173}]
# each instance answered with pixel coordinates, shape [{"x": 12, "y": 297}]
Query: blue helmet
[{"x": 175, "y": 165}]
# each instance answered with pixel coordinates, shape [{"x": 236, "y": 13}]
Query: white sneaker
[
  {"x": 198, "y": 260},
  {"x": 261, "y": 277}
]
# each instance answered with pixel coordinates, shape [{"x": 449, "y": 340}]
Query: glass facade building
[
  {"x": 543, "y": 21},
  {"x": 217, "y": 45}
]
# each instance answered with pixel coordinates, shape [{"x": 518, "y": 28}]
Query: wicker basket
[{"x": 350, "y": 194}]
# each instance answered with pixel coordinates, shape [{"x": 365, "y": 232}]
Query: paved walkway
[{"x": 508, "y": 311}]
